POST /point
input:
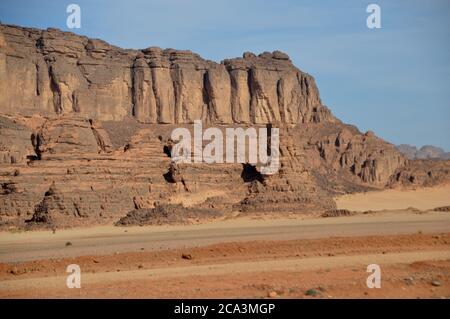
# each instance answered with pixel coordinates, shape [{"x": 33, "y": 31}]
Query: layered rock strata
[
  {"x": 50, "y": 72},
  {"x": 85, "y": 135}
]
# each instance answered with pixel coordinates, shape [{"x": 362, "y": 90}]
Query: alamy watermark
[
  {"x": 241, "y": 146},
  {"x": 374, "y": 279},
  {"x": 74, "y": 279},
  {"x": 74, "y": 19},
  {"x": 374, "y": 19}
]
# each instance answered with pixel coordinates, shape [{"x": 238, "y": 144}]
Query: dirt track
[
  {"x": 107, "y": 240},
  {"x": 334, "y": 267},
  {"x": 236, "y": 258}
]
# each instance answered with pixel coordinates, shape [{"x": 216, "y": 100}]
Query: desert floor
[{"x": 246, "y": 257}]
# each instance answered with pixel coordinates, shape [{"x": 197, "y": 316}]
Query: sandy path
[
  {"x": 423, "y": 199},
  {"x": 59, "y": 282},
  {"x": 107, "y": 240},
  {"x": 245, "y": 257},
  {"x": 249, "y": 269}
]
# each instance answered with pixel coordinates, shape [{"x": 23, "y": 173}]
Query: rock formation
[
  {"x": 85, "y": 135},
  {"x": 50, "y": 72},
  {"x": 418, "y": 173},
  {"x": 425, "y": 152}
]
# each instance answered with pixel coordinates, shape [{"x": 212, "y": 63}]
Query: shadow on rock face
[{"x": 250, "y": 173}]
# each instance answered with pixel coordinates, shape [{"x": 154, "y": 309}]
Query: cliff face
[
  {"x": 51, "y": 72},
  {"x": 85, "y": 131}
]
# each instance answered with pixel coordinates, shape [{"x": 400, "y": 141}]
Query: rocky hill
[
  {"x": 425, "y": 152},
  {"x": 85, "y": 132},
  {"x": 51, "y": 72}
]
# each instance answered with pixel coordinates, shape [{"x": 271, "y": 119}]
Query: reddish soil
[{"x": 166, "y": 274}]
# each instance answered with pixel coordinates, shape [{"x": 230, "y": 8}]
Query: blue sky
[{"x": 394, "y": 80}]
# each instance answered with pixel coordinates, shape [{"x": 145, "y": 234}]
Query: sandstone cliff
[
  {"x": 51, "y": 72},
  {"x": 85, "y": 132}
]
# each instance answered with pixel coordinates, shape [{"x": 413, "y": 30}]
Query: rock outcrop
[
  {"x": 418, "y": 173},
  {"x": 15, "y": 142},
  {"x": 69, "y": 135},
  {"x": 85, "y": 135},
  {"x": 50, "y": 72},
  {"x": 425, "y": 152}
]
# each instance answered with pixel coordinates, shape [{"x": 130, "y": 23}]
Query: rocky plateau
[{"x": 85, "y": 131}]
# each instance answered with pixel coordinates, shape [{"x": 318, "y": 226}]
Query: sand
[
  {"x": 246, "y": 257},
  {"x": 422, "y": 199}
]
